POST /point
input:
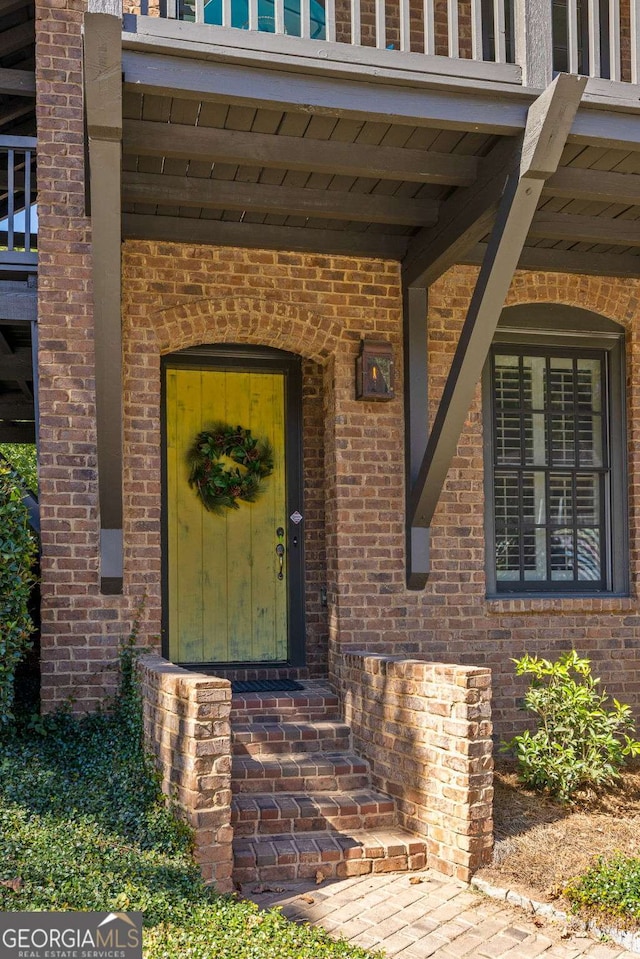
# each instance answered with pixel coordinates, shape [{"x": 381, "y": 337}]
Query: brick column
[
  {"x": 426, "y": 730},
  {"x": 187, "y": 727}
]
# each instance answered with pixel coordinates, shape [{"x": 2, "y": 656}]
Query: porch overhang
[{"x": 236, "y": 141}]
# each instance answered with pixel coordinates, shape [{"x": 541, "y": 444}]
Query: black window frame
[{"x": 550, "y": 329}]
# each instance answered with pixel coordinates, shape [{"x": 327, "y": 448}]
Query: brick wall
[
  {"x": 426, "y": 730},
  {"x": 80, "y": 628},
  {"x": 319, "y": 306},
  {"x": 177, "y": 296},
  {"x": 187, "y": 728}
]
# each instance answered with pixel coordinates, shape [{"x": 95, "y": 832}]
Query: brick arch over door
[
  {"x": 250, "y": 320},
  {"x": 231, "y": 319}
]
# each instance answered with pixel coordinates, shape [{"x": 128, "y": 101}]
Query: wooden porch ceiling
[
  {"x": 17, "y": 64},
  {"x": 17, "y": 403},
  {"x": 223, "y": 173}
]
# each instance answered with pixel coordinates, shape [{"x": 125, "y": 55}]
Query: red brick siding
[
  {"x": 426, "y": 730},
  {"x": 80, "y": 628}
]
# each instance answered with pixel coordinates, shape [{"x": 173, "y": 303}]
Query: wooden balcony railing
[
  {"x": 597, "y": 38},
  {"x": 18, "y": 218}
]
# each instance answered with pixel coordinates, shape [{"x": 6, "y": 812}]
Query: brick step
[
  {"x": 302, "y": 856},
  {"x": 281, "y": 813},
  {"x": 299, "y": 773},
  {"x": 258, "y": 739},
  {"x": 316, "y": 701}
]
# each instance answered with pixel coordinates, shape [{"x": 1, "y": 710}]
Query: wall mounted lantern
[{"x": 374, "y": 371}]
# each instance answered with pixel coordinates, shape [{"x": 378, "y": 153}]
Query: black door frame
[{"x": 251, "y": 359}]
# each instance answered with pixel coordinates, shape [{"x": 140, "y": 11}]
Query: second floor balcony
[{"x": 522, "y": 42}]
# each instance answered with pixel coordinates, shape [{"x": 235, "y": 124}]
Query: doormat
[{"x": 265, "y": 686}]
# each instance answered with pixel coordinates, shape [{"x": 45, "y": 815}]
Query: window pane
[
  {"x": 587, "y": 499},
  {"x": 590, "y": 440},
  {"x": 560, "y": 384},
  {"x": 508, "y": 555},
  {"x": 533, "y": 498},
  {"x": 535, "y": 440},
  {"x": 506, "y": 498},
  {"x": 589, "y": 565},
  {"x": 535, "y": 555},
  {"x": 508, "y": 438},
  {"x": 562, "y": 554},
  {"x": 590, "y": 385},
  {"x": 563, "y": 443},
  {"x": 560, "y": 498},
  {"x": 507, "y": 382},
  {"x": 551, "y": 469},
  {"x": 533, "y": 376}
]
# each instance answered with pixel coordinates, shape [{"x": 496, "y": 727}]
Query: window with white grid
[{"x": 552, "y": 510}]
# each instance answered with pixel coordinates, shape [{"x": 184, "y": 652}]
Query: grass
[{"x": 83, "y": 827}]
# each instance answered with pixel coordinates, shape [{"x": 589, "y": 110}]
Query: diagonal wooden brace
[{"x": 549, "y": 121}]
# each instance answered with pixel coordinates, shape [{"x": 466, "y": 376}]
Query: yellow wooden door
[{"x": 225, "y": 601}]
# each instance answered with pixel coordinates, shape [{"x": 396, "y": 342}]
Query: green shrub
[
  {"x": 611, "y": 888},
  {"x": 23, "y": 458},
  {"x": 17, "y": 552},
  {"x": 582, "y": 737}
]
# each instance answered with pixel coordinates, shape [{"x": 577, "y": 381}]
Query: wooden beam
[
  {"x": 199, "y": 193},
  {"x": 10, "y": 6},
  {"x": 182, "y": 142},
  {"x": 585, "y": 229},
  {"x": 414, "y": 302},
  {"x": 464, "y": 219},
  {"x": 16, "y": 365},
  {"x": 597, "y": 186},
  {"x": 16, "y": 260},
  {"x": 220, "y": 82},
  {"x": 113, "y": 7},
  {"x": 16, "y": 38},
  {"x": 103, "y": 75},
  {"x": 16, "y": 408},
  {"x": 16, "y": 305},
  {"x": 17, "y": 432},
  {"x": 548, "y": 260},
  {"x": 548, "y": 124},
  {"x": 17, "y": 83},
  {"x": 14, "y": 111},
  {"x": 534, "y": 41},
  {"x": 103, "y": 109},
  {"x": 181, "y": 38},
  {"x": 262, "y": 237}
]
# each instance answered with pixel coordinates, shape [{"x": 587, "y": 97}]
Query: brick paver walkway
[{"x": 433, "y": 918}]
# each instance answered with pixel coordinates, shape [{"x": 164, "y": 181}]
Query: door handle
[{"x": 280, "y": 555}]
